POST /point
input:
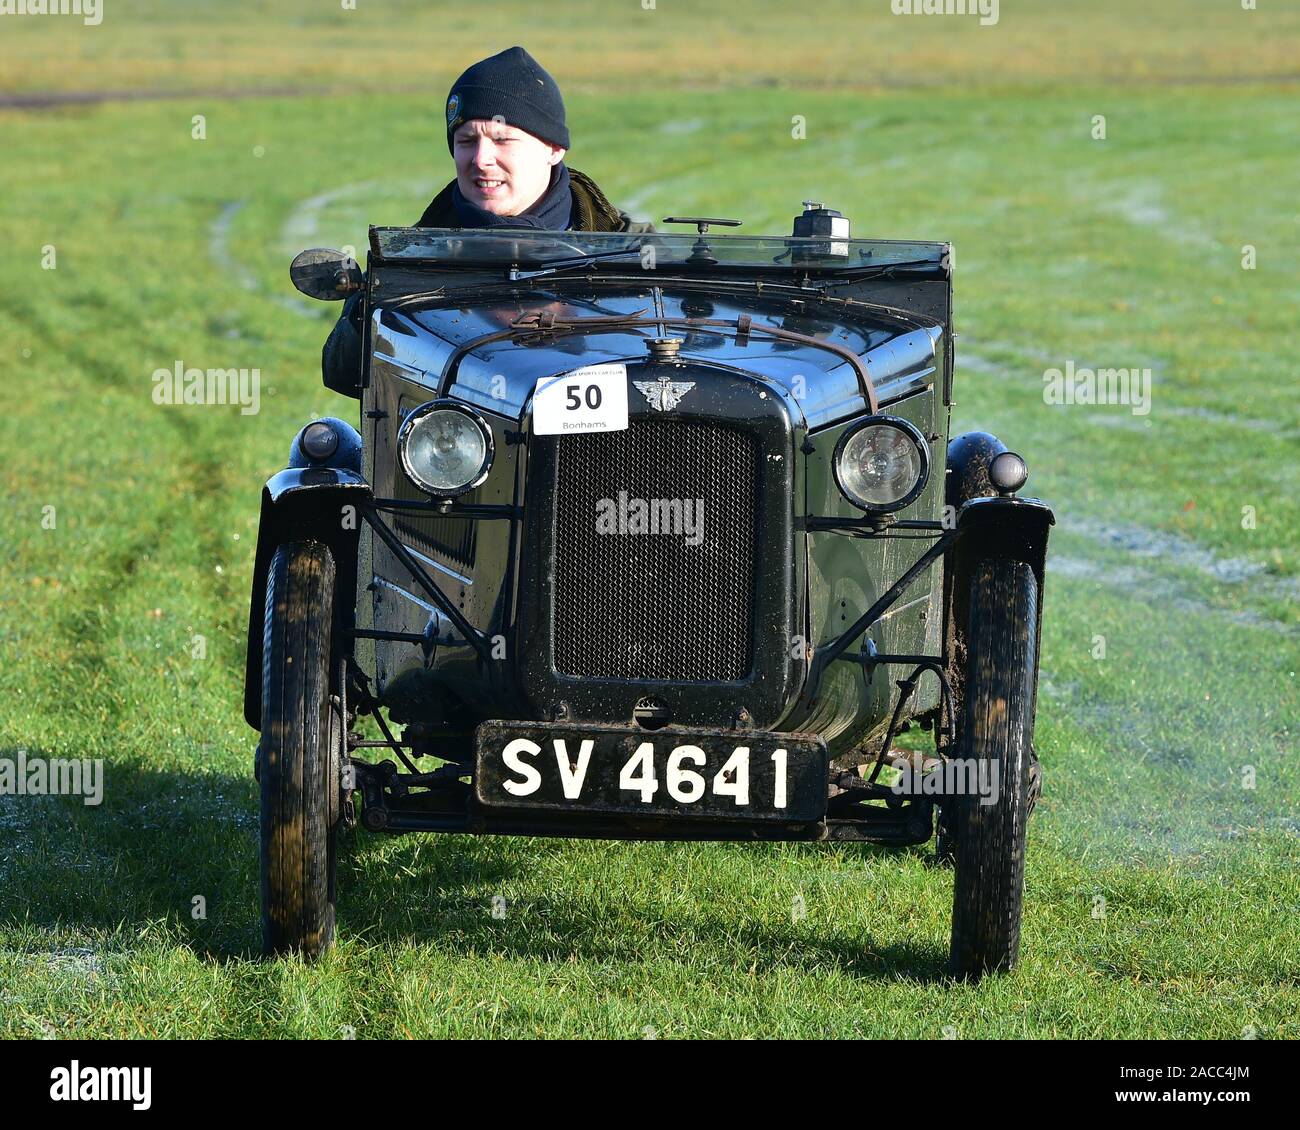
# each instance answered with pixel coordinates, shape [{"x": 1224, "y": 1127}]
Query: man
[{"x": 507, "y": 135}]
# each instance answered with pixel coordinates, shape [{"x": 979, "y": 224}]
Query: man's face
[{"x": 500, "y": 168}]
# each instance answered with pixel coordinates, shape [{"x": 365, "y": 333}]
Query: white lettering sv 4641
[{"x": 682, "y": 780}]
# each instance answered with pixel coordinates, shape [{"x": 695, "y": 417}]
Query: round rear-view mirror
[{"x": 326, "y": 274}]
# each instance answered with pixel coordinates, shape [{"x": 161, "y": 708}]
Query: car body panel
[
  {"x": 423, "y": 348},
  {"x": 444, "y": 319}
]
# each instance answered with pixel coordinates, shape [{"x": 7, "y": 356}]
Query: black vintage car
[{"x": 647, "y": 536}]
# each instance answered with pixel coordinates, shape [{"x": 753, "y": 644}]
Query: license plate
[{"x": 712, "y": 774}]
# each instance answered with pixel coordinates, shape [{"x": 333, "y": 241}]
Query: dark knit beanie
[{"x": 514, "y": 86}]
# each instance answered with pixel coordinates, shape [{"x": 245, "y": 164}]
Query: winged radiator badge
[{"x": 664, "y": 395}]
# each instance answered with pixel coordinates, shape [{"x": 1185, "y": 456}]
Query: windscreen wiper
[
  {"x": 907, "y": 268},
  {"x": 516, "y": 275}
]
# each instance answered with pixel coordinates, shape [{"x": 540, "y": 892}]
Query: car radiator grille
[{"x": 639, "y": 606}]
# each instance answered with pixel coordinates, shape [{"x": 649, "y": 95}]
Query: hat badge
[{"x": 453, "y": 109}]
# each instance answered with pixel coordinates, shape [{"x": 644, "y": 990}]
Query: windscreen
[{"x": 530, "y": 248}]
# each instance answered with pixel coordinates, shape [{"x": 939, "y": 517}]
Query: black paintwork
[
  {"x": 306, "y": 502},
  {"x": 433, "y": 328}
]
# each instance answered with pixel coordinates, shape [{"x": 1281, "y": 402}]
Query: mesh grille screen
[{"x": 632, "y": 605}]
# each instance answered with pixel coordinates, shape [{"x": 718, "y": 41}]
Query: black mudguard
[
  {"x": 989, "y": 525},
  {"x": 317, "y": 502}
]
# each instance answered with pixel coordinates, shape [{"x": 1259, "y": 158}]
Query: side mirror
[{"x": 326, "y": 274}]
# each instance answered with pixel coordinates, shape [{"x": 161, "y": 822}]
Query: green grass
[
  {"x": 593, "y": 46},
  {"x": 1114, "y": 253}
]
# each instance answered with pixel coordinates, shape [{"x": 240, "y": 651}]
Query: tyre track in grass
[
  {"x": 1134, "y": 559},
  {"x": 1186, "y": 692},
  {"x": 229, "y": 267},
  {"x": 1142, "y": 542},
  {"x": 299, "y": 231},
  {"x": 139, "y": 708},
  {"x": 972, "y": 358},
  {"x": 1142, "y": 764},
  {"x": 1211, "y": 687},
  {"x": 1136, "y": 579},
  {"x": 302, "y": 225},
  {"x": 85, "y": 616},
  {"x": 1161, "y": 545}
]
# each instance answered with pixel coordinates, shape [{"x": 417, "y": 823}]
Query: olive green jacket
[{"x": 592, "y": 211}]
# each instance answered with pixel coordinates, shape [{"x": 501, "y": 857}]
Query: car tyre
[
  {"x": 299, "y": 753},
  {"x": 987, "y": 841}
]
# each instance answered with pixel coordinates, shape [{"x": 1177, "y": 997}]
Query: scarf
[{"x": 550, "y": 213}]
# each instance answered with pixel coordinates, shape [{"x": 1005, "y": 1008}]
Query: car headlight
[
  {"x": 882, "y": 464},
  {"x": 445, "y": 448}
]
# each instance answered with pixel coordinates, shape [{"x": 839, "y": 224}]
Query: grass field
[{"x": 1162, "y": 892}]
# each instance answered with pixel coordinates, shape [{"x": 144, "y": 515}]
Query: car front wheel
[
  {"x": 987, "y": 840},
  {"x": 299, "y": 753}
]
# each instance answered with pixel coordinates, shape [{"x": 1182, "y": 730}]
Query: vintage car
[{"x": 647, "y": 536}]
